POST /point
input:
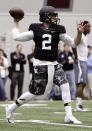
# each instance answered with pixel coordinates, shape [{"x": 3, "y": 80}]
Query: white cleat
[
  {"x": 9, "y": 115},
  {"x": 81, "y": 109},
  {"x": 72, "y": 119}
]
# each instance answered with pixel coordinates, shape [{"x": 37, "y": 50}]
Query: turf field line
[
  {"x": 26, "y": 105},
  {"x": 59, "y": 112},
  {"x": 87, "y": 101},
  {"x": 60, "y": 124},
  {"x": 49, "y": 123},
  {"x": 17, "y": 114}
]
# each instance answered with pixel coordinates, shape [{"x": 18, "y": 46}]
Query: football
[{"x": 16, "y": 13}]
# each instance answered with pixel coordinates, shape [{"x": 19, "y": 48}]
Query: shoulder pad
[
  {"x": 33, "y": 26},
  {"x": 61, "y": 28}
]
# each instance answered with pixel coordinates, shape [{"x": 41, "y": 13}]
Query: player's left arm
[
  {"x": 67, "y": 39},
  {"x": 24, "y": 36}
]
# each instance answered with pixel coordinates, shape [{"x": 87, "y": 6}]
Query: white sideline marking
[
  {"x": 52, "y": 123},
  {"x": 2, "y": 119},
  {"x": 17, "y": 114},
  {"x": 26, "y": 105},
  {"x": 34, "y": 121},
  {"x": 49, "y": 123},
  {"x": 59, "y": 112}
]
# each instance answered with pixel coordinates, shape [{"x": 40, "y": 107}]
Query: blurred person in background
[
  {"x": 3, "y": 74},
  {"x": 66, "y": 58},
  {"x": 30, "y": 61},
  {"x": 3, "y": 51},
  {"x": 59, "y": 48},
  {"x": 80, "y": 65},
  {"x": 89, "y": 74},
  {"x": 0, "y": 47},
  {"x": 17, "y": 63}
]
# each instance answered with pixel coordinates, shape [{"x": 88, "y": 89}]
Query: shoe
[
  {"x": 9, "y": 115},
  {"x": 81, "y": 109},
  {"x": 72, "y": 119},
  {"x": 51, "y": 99}
]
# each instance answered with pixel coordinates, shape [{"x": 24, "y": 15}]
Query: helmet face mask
[
  {"x": 54, "y": 18},
  {"x": 48, "y": 15}
]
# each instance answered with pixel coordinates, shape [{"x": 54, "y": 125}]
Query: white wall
[
  {"x": 82, "y": 6},
  {"x": 31, "y": 6},
  {"x": 26, "y": 5}
]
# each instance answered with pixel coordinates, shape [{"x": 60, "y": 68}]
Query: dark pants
[
  {"x": 17, "y": 79},
  {"x": 44, "y": 75}
]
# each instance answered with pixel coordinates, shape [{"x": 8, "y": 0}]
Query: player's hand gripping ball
[{"x": 16, "y": 13}]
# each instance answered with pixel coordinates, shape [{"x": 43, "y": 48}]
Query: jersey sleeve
[
  {"x": 24, "y": 36},
  {"x": 32, "y": 27},
  {"x": 67, "y": 39},
  {"x": 62, "y": 29}
]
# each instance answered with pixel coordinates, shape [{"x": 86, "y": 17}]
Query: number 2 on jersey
[{"x": 46, "y": 43}]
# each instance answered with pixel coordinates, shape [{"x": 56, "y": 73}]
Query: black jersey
[{"x": 46, "y": 41}]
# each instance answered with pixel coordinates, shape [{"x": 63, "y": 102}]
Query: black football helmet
[{"x": 45, "y": 15}]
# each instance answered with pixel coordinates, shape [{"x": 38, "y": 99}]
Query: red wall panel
[{"x": 59, "y": 3}]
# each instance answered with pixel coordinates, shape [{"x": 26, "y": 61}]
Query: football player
[
  {"x": 81, "y": 66},
  {"x": 46, "y": 36}
]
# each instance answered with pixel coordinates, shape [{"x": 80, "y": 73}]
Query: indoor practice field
[
  {"x": 46, "y": 65},
  {"x": 45, "y": 116}
]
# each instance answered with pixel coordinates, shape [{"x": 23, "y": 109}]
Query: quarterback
[{"x": 46, "y": 36}]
